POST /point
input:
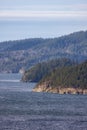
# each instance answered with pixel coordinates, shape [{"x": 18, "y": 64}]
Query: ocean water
[{"x": 22, "y": 109}]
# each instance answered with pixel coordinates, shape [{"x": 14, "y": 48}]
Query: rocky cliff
[{"x": 59, "y": 90}]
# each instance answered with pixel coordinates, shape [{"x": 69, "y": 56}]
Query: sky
[{"x": 21, "y": 19}]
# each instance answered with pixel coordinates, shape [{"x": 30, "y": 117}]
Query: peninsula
[{"x": 65, "y": 80}]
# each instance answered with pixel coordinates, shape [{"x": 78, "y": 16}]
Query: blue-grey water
[{"x": 22, "y": 109}]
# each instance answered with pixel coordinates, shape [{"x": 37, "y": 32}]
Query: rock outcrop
[{"x": 67, "y": 90}]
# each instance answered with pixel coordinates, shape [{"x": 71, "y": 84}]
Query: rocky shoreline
[{"x": 59, "y": 90}]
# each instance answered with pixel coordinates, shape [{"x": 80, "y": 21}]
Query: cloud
[
  {"x": 42, "y": 14},
  {"x": 44, "y": 11}
]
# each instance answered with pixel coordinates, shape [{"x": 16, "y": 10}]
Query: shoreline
[{"x": 68, "y": 90}]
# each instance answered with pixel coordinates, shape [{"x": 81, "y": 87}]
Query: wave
[{"x": 6, "y": 80}]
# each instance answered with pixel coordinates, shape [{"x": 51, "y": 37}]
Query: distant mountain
[
  {"x": 40, "y": 70},
  {"x": 18, "y": 54},
  {"x": 71, "y": 79}
]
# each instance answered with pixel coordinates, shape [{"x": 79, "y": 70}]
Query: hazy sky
[{"x": 41, "y": 18}]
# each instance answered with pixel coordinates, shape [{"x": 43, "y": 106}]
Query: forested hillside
[
  {"x": 64, "y": 77},
  {"x": 18, "y": 54},
  {"x": 36, "y": 73}
]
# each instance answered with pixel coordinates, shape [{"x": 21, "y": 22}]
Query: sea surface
[{"x": 22, "y": 109}]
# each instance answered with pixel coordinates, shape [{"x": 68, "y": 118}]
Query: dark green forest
[
  {"x": 68, "y": 76},
  {"x": 36, "y": 73}
]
